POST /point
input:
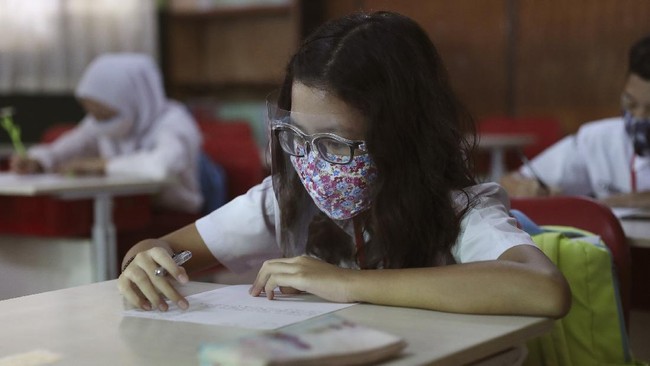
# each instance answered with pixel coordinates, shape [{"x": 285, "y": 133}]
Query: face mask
[
  {"x": 639, "y": 132},
  {"x": 114, "y": 127},
  {"x": 340, "y": 191}
]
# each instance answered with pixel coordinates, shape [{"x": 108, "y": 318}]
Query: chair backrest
[
  {"x": 590, "y": 215},
  {"x": 232, "y": 145}
]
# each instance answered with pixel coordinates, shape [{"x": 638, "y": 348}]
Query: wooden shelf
[
  {"x": 231, "y": 47},
  {"x": 230, "y": 13}
]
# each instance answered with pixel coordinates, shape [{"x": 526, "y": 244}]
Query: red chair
[
  {"x": 590, "y": 215},
  {"x": 232, "y": 145}
]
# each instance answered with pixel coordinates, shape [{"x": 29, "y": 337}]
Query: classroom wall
[{"x": 564, "y": 59}]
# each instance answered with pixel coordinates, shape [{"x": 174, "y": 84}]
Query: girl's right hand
[
  {"x": 24, "y": 165},
  {"x": 142, "y": 288}
]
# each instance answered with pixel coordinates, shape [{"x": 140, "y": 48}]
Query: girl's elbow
[{"x": 558, "y": 297}]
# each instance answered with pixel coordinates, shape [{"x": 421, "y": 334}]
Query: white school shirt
[
  {"x": 167, "y": 152},
  {"x": 597, "y": 161},
  {"x": 239, "y": 236}
]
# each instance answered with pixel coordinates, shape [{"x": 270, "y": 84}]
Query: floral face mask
[
  {"x": 115, "y": 127},
  {"x": 639, "y": 132},
  {"x": 341, "y": 191}
]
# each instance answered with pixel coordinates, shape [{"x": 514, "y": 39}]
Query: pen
[
  {"x": 524, "y": 159},
  {"x": 179, "y": 258}
]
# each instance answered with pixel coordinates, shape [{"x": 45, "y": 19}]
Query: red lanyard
[
  {"x": 359, "y": 242},
  {"x": 633, "y": 174}
]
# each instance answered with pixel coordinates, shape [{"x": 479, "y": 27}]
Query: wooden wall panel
[
  {"x": 249, "y": 50},
  {"x": 470, "y": 36},
  {"x": 563, "y": 59},
  {"x": 571, "y": 56},
  {"x": 229, "y": 50}
]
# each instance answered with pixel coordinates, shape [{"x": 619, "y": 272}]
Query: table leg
[
  {"x": 104, "y": 242},
  {"x": 497, "y": 164}
]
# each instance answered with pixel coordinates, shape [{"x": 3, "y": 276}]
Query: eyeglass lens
[{"x": 331, "y": 150}]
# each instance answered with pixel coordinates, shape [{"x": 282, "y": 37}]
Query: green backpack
[{"x": 593, "y": 332}]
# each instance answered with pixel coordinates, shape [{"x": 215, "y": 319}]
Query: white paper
[{"x": 233, "y": 306}]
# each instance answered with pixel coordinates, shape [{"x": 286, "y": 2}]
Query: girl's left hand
[{"x": 304, "y": 273}]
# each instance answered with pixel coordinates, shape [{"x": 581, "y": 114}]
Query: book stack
[{"x": 326, "y": 340}]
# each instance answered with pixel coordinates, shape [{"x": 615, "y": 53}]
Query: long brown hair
[{"x": 385, "y": 66}]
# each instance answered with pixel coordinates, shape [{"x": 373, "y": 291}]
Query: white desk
[
  {"x": 84, "y": 325},
  {"x": 636, "y": 225},
  {"x": 101, "y": 190},
  {"x": 497, "y": 144},
  {"x": 637, "y": 232}
]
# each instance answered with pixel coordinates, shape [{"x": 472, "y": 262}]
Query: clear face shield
[{"x": 315, "y": 173}]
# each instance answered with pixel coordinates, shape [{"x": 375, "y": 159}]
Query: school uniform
[
  {"x": 162, "y": 140},
  {"x": 597, "y": 161},
  {"x": 245, "y": 232}
]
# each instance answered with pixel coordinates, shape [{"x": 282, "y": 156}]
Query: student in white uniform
[
  {"x": 607, "y": 159},
  {"x": 371, "y": 198},
  {"x": 130, "y": 128}
]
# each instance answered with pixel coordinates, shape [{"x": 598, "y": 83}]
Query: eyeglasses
[{"x": 331, "y": 147}]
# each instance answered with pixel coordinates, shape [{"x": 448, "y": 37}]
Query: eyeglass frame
[{"x": 310, "y": 139}]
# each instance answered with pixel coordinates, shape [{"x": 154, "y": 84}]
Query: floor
[
  {"x": 640, "y": 334},
  {"x": 30, "y": 265}
]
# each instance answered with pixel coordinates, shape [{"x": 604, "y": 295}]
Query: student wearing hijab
[{"x": 130, "y": 128}]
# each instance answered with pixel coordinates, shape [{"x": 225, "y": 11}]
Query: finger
[
  {"x": 134, "y": 297},
  {"x": 164, "y": 260},
  {"x": 278, "y": 280},
  {"x": 268, "y": 269},
  {"x": 138, "y": 276},
  {"x": 169, "y": 291}
]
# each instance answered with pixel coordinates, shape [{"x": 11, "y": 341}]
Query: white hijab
[{"x": 132, "y": 85}]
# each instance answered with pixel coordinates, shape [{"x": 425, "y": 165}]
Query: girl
[
  {"x": 130, "y": 128},
  {"x": 371, "y": 198}
]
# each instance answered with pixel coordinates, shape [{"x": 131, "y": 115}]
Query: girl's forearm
[{"x": 494, "y": 287}]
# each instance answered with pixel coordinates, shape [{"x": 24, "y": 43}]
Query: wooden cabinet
[{"x": 231, "y": 49}]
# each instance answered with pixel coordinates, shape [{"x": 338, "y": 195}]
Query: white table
[
  {"x": 85, "y": 326},
  {"x": 636, "y": 225},
  {"x": 497, "y": 144},
  {"x": 101, "y": 190},
  {"x": 637, "y": 232}
]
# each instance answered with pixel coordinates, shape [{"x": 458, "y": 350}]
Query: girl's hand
[
  {"x": 24, "y": 165},
  {"x": 305, "y": 274},
  {"x": 142, "y": 288},
  {"x": 85, "y": 166}
]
